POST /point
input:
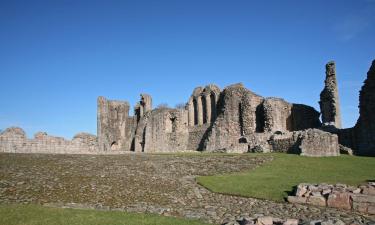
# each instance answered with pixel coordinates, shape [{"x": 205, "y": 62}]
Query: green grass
[
  {"x": 38, "y": 215},
  {"x": 275, "y": 179}
]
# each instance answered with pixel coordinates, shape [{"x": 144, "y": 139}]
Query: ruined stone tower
[
  {"x": 113, "y": 124},
  {"x": 329, "y": 98}
]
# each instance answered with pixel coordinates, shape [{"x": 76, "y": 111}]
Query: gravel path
[{"x": 162, "y": 184}]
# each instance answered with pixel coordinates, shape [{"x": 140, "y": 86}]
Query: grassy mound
[{"x": 275, "y": 179}]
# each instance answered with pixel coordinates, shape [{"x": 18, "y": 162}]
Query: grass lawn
[
  {"x": 38, "y": 215},
  {"x": 275, "y": 179}
]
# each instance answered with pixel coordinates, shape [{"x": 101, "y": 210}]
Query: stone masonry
[
  {"x": 361, "y": 198},
  {"x": 329, "y": 98},
  {"x": 233, "y": 119},
  {"x": 365, "y": 127},
  {"x": 14, "y": 140},
  {"x": 230, "y": 120}
]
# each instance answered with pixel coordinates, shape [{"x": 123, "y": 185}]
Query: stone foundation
[{"x": 341, "y": 196}]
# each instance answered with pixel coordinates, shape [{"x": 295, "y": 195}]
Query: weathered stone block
[
  {"x": 265, "y": 220},
  {"x": 360, "y": 206},
  {"x": 339, "y": 200},
  {"x": 297, "y": 199},
  {"x": 371, "y": 209},
  {"x": 314, "y": 142},
  {"x": 368, "y": 190},
  {"x": 363, "y": 198},
  {"x": 317, "y": 201},
  {"x": 301, "y": 190},
  {"x": 291, "y": 222}
]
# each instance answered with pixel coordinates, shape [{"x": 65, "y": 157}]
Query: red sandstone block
[{"x": 339, "y": 200}]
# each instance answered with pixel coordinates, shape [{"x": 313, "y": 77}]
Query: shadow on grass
[{"x": 290, "y": 192}]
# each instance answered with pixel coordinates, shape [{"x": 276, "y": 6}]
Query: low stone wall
[
  {"x": 14, "y": 140},
  {"x": 268, "y": 220},
  {"x": 310, "y": 142},
  {"x": 361, "y": 198}
]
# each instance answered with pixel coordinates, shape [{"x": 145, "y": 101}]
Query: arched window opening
[{"x": 114, "y": 145}]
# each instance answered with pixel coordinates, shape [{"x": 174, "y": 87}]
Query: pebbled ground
[{"x": 162, "y": 184}]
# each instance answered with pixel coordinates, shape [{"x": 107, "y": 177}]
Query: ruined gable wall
[
  {"x": 304, "y": 117},
  {"x": 277, "y": 115},
  {"x": 202, "y": 112},
  {"x": 112, "y": 123},
  {"x": 166, "y": 130},
  {"x": 14, "y": 140},
  {"x": 365, "y": 127},
  {"x": 236, "y": 117},
  {"x": 280, "y": 115}
]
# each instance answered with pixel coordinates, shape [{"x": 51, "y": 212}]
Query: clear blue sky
[{"x": 56, "y": 57}]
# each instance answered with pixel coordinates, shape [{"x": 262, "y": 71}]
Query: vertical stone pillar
[
  {"x": 141, "y": 110},
  {"x": 191, "y": 112},
  {"x": 329, "y": 98},
  {"x": 208, "y": 108},
  {"x": 146, "y": 102},
  {"x": 200, "y": 110}
]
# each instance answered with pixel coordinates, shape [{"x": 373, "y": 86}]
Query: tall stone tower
[{"x": 329, "y": 98}]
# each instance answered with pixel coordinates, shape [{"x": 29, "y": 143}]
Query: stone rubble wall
[
  {"x": 166, "y": 131},
  {"x": 310, "y": 142},
  {"x": 341, "y": 196},
  {"x": 316, "y": 143},
  {"x": 268, "y": 220},
  {"x": 112, "y": 122},
  {"x": 195, "y": 136},
  {"x": 14, "y": 140},
  {"x": 365, "y": 127},
  {"x": 280, "y": 115},
  {"x": 232, "y": 122},
  {"x": 277, "y": 115}
]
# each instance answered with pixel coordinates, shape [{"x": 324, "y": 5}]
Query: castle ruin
[{"x": 234, "y": 119}]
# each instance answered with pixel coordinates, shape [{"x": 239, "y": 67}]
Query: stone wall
[
  {"x": 232, "y": 120},
  {"x": 310, "y": 142},
  {"x": 14, "y": 140},
  {"x": 196, "y": 136},
  {"x": 361, "y": 198},
  {"x": 304, "y": 117},
  {"x": 277, "y": 115},
  {"x": 236, "y": 117},
  {"x": 202, "y": 105},
  {"x": 280, "y": 115},
  {"x": 365, "y": 127},
  {"x": 112, "y": 125},
  {"x": 314, "y": 142},
  {"x": 166, "y": 131}
]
